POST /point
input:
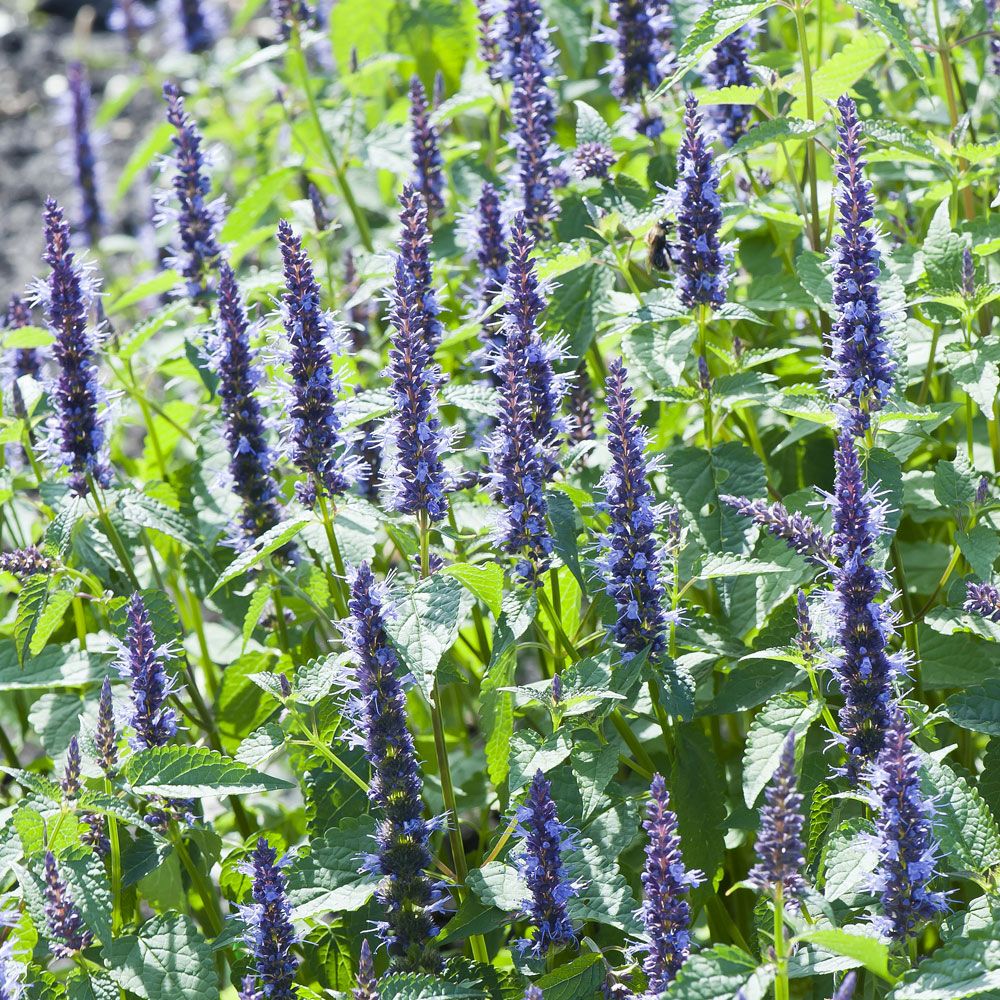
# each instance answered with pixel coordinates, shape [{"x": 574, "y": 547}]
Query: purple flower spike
[
  {"x": 730, "y": 67},
  {"x": 11, "y": 974},
  {"x": 666, "y": 883},
  {"x": 143, "y": 663},
  {"x": 62, "y": 918},
  {"x": 983, "y": 599},
  {"x": 418, "y": 481},
  {"x": 106, "y": 737},
  {"x": 84, "y": 161},
  {"x": 521, "y": 327},
  {"x": 25, "y": 562},
  {"x": 703, "y": 274},
  {"x": 297, "y": 13},
  {"x": 905, "y": 834},
  {"x": 805, "y": 637},
  {"x": 406, "y": 894},
  {"x": 317, "y": 445},
  {"x": 799, "y": 531},
  {"x": 780, "y": 851},
  {"x": 269, "y": 933},
  {"x": 861, "y": 369},
  {"x": 491, "y": 255},
  {"x": 641, "y": 34},
  {"x": 631, "y": 560},
  {"x": 250, "y": 460},
  {"x": 70, "y": 783},
  {"x": 541, "y": 863},
  {"x": 581, "y": 407},
  {"x": 533, "y": 993},
  {"x": 427, "y": 159},
  {"x": 197, "y": 219},
  {"x": 864, "y": 666},
  {"x": 77, "y": 428},
  {"x": 489, "y": 49},
  {"x": 196, "y": 27},
  {"x": 367, "y": 986},
  {"x": 24, "y": 360},
  {"x": 414, "y": 252},
  {"x": 593, "y": 159},
  {"x": 518, "y": 464},
  {"x": 248, "y": 989}
]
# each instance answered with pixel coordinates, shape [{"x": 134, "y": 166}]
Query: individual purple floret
[
  {"x": 367, "y": 985},
  {"x": 196, "y": 25},
  {"x": 491, "y": 254},
  {"x": 630, "y": 562},
  {"x": 542, "y": 866},
  {"x": 703, "y": 274},
  {"x": 62, "y": 918},
  {"x": 417, "y": 483},
  {"x": 666, "y": 883},
  {"x": 863, "y": 664},
  {"x": 25, "y": 562},
  {"x": 77, "y": 427},
  {"x": 269, "y": 933},
  {"x": 317, "y": 445},
  {"x": 846, "y": 989},
  {"x": 106, "y": 737},
  {"x": 521, "y": 325},
  {"x": 518, "y": 462},
  {"x": 248, "y": 989},
  {"x": 730, "y": 67},
  {"x": 23, "y": 360},
  {"x": 799, "y": 531},
  {"x": 143, "y": 663},
  {"x": 428, "y": 176},
  {"x": 593, "y": 159},
  {"x": 983, "y": 599},
  {"x": 779, "y": 847},
  {"x": 904, "y": 829},
  {"x": 641, "y": 35},
  {"x": 250, "y": 459},
  {"x": 91, "y": 222},
  {"x": 407, "y": 896},
  {"x": 197, "y": 219},
  {"x": 861, "y": 367}
]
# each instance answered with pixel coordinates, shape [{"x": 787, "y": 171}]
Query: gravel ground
[{"x": 33, "y": 139}]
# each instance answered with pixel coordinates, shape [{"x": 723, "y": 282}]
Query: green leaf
[
  {"x": 267, "y": 544},
  {"x": 329, "y": 878},
  {"x": 698, "y": 477},
  {"x": 838, "y": 74},
  {"x": 50, "y": 619},
  {"x": 194, "y": 773},
  {"x": 255, "y": 610},
  {"x": 872, "y": 953},
  {"x": 881, "y": 15},
  {"x": 27, "y": 336},
  {"x": 775, "y": 130},
  {"x": 144, "y": 154},
  {"x": 497, "y": 705},
  {"x": 262, "y": 191},
  {"x": 955, "y": 483},
  {"x": 716, "y": 566},
  {"x": 426, "y": 625},
  {"x": 31, "y": 604},
  {"x": 485, "y": 581},
  {"x": 604, "y": 896},
  {"x": 976, "y": 709},
  {"x": 575, "y": 305},
  {"x": 499, "y": 884},
  {"x": 766, "y": 740},
  {"x": 815, "y": 278},
  {"x": 563, "y": 516},
  {"x": 943, "y": 250},
  {"x": 981, "y": 547},
  {"x": 578, "y": 979},
  {"x": 963, "y": 823},
  {"x": 719, "y": 972},
  {"x": 423, "y": 986},
  {"x": 977, "y": 371},
  {"x": 54, "y": 667},
  {"x": 133, "y": 341},
  {"x": 963, "y": 968},
  {"x": 168, "y": 958},
  {"x": 719, "y": 21},
  {"x": 162, "y": 281},
  {"x": 590, "y": 126},
  {"x": 531, "y": 752}
]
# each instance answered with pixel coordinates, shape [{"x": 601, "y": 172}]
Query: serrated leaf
[
  {"x": 881, "y": 15},
  {"x": 194, "y": 773},
  {"x": 428, "y": 620},
  {"x": 531, "y": 752},
  {"x": 262, "y": 191},
  {"x": 766, "y": 740},
  {"x": 719, "y": 972},
  {"x": 31, "y": 604},
  {"x": 49, "y": 620},
  {"x": 963, "y": 968},
  {"x": 943, "y": 250},
  {"x": 422, "y": 986},
  {"x": 497, "y": 705},
  {"x": 981, "y": 547},
  {"x": 483, "y": 580},
  {"x": 54, "y": 667},
  {"x": 168, "y": 958},
  {"x": 837, "y": 74},
  {"x": 255, "y": 611},
  {"x": 268, "y": 543},
  {"x": 870, "y": 952},
  {"x": 163, "y": 281},
  {"x": 330, "y": 878},
  {"x": 590, "y": 126},
  {"x": 578, "y": 979}
]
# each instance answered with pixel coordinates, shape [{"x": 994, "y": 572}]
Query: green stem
[
  {"x": 299, "y": 59},
  {"x": 780, "y": 955},
  {"x": 117, "y": 918},
  {"x": 807, "y": 75},
  {"x": 336, "y": 581},
  {"x": 112, "y": 532},
  {"x": 279, "y": 614},
  {"x": 209, "y": 901}
]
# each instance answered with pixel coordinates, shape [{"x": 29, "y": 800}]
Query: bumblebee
[{"x": 659, "y": 249}]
